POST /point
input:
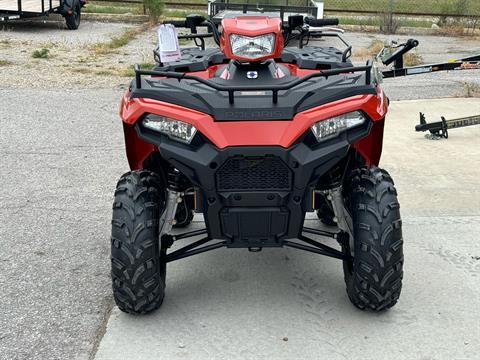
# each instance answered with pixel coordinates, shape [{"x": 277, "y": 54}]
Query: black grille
[{"x": 254, "y": 173}]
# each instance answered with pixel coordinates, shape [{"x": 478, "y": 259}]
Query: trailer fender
[{"x": 68, "y": 6}]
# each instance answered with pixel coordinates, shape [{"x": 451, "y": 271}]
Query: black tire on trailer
[
  {"x": 138, "y": 263},
  {"x": 374, "y": 277},
  {"x": 73, "y": 20}
]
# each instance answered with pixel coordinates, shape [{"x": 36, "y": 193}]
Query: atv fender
[{"x": 137, "y": 149}]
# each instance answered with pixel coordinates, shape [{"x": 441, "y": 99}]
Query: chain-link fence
[
  {"x": 463, "y": 8},
  {"x": 389, "y": 15},
  {"x": 455, "y": 8}
]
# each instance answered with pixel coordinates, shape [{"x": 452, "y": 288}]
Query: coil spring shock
[{"x": 176, "y": 181}]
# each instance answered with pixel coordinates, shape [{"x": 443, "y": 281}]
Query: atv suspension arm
[{"x": 306, "y": 244}]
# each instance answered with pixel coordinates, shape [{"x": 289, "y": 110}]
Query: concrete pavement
[{"x": 286, "y": 304}]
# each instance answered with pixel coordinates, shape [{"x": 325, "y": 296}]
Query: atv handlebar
[
  {"x": 321, "y": 22},
  {"x": 183, "y": 23},
  {"x": 176, "y": 23},
  {"x": 294, "y": 22},
  {"x": 193, "y": 21}
]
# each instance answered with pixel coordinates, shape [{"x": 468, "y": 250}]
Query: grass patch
[
  {"x": 174, "y": 13},
  {"x": 412, "y": 58},
  {"x": 452, "y": 29},
  {"x": 129, "y": 72},
  {"x": 41, "y": 54},
  {"x": 118, "y": 8},
  {"x": 372, "y": 50},
  {"x": 471, "y": 90},
  {"x": 125, "y": 72},
  {"x": 98, "y": 72},
  {"x": 117, "y": 42},
  {"x": 5, "y": 63},
  {"x": 113, "y": 8}
]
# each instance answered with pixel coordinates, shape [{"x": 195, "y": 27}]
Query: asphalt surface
[{"x": 61, "y": 154}]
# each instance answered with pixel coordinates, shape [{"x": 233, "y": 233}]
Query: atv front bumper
[{"x": 254, "y": 196}]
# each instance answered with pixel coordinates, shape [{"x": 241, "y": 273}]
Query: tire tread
[
  {"x": 376, "y": 279},
  {"x": 138, "y": 275}
]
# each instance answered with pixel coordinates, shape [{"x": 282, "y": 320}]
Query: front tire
[
  {"x": 138, "y": 264},
  {"x": 374, "y": 277}
]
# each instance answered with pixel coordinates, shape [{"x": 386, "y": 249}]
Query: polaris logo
[
  {"x": 255, "y": 114},
  {"x": 252, "y": 75}
]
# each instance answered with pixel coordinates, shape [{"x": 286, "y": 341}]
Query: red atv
[{"x": 253, "y": 135}]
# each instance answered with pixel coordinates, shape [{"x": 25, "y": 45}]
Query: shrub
[
  {"x": 154, "y": 9},
  {"x": 41, "y": 54}
]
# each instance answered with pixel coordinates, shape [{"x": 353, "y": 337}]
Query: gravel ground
[
  {"x": 62, "y": 152},
  {"x": 73, "y": 63}
]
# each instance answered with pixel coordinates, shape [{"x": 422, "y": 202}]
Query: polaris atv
[{"x": 254, "y": 135}]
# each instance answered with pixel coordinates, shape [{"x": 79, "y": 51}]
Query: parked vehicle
[
  {"x": 25, "y": 9},
  {"x": 255, "y": 134}
]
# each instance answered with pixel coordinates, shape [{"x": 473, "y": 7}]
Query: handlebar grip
[
  {"x": 322, "y": 22},
  {"x": 176, "y": 23},
  {"x": 183, "y": 23}
]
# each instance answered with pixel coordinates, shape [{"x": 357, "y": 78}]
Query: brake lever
[{"x": 321, "y": 29}]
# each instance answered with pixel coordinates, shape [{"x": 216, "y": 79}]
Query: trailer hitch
[
  {"x": 397, "y": 56},
  {"x": 440, "y": 129}
]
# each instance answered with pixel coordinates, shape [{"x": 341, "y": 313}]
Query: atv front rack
[
  {"x": 231, "y": 89},
  {"x": 304, "y": 243}
]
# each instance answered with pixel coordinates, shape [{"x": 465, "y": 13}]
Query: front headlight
[
  {"x": 332, "y": 127},
  {"x": 252, "y": 47},
  {"x": 174, "y": 129}
]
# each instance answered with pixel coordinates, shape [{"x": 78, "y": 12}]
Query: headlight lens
[
  {"x": 174, "y": 129},
  {"x": 252, "y": 47},
  {"x": 332, "y": 127}
]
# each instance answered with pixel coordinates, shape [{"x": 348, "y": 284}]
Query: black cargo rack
[
  {"x": 273, "y": 88},
  {"x": 218, "y": 9}
]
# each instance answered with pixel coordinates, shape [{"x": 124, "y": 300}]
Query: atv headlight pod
[
  {"x": 252, "y": 47},
  {"x": 174, "y": 129},
  {"x": 330, "y": 128}
]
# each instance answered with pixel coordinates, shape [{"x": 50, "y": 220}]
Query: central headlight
[
  {"x": 174, "y": 129},
  {"x": 330, "y": 128},
  {"x": 252, "y": 47}
]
